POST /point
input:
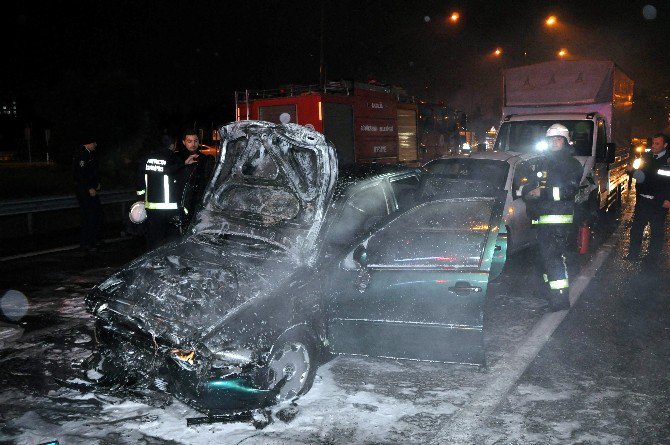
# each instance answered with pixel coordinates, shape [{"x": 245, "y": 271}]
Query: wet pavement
[{"x": 601, "y": 378}]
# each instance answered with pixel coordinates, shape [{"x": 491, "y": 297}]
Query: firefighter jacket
[
  {"x": 558, "y": 178},
  {"x": 85, "y": 170},
  {"x": 157, "y": 181},
  {"x": 652, "y": 179}
]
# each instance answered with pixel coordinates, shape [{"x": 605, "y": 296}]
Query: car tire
[{"x": 294, "y": 357}]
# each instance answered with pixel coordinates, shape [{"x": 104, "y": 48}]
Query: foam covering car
[{"x": 285, "y": 264}]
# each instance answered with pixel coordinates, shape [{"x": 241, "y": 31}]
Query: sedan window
[
  {"x": 492, "y": 172},
  {"x": 440, "y": 234},
  {"x": 405, "y": 191},
  {"x": 359, "y": 213}
]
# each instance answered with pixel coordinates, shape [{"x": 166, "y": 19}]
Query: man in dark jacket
[
  {"x": 158, "y": 183},
  {"x": 194, "y": 171},
  {"x": 652, "y": 186},
  {"x": 87, "y": 186},
  {"x": 550, "y": 199}
]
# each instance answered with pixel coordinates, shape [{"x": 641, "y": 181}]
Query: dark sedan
[{"x": 284, "y": 264}]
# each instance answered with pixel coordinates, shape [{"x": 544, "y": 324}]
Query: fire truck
[{"x": 367, "y": 123}]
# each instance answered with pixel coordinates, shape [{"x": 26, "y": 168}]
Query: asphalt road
[{"x": 597, "y": 373}]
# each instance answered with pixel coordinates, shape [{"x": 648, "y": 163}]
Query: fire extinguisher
[{"x": 583, "y": 238}]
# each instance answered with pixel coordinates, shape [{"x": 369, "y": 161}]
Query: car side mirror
[{"x": 361, "y": 256}]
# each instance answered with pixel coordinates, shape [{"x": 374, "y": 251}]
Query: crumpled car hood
[
  {"x": 259, "y": 221},
  {"x": 183, "y": 291},
  {"x": 274, "y": 184}
]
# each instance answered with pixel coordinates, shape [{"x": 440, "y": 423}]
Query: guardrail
[{"x": 63, "y": 202}]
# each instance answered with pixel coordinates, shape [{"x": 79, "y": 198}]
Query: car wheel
[{"x": 292, "y": 365}]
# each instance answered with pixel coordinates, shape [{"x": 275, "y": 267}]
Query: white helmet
[
  {"x": 137, "y": 212},
  {"x": 559, "y": 130}
]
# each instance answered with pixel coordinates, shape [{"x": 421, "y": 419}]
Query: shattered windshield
[{"x": 530, "y": 136}]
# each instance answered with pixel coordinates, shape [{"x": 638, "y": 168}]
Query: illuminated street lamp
[
  {"x": 454, "y": 17},
  {"x": 562, "y": 52},
  {"x": 551, "y": 20},
  {"x": 497, "y": 52}
]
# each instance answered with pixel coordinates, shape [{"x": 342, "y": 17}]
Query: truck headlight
[{"x": 541, "y": 146}]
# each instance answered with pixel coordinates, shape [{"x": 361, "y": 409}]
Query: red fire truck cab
[{"x": 366, "y": 122}]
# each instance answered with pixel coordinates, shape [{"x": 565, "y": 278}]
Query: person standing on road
[
  {"x": 550, "y": 200},
  {"x": 87, "y": 186},
  {"x": 194, "y": 172},
  {"x": 157, "y": 182},
  {"x": 652, "y": 198}
]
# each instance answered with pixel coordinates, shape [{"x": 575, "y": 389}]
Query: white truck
[{"x": 593, "y": 99}]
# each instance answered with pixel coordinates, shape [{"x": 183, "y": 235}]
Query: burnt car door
[{"x": 415, "y": 288}]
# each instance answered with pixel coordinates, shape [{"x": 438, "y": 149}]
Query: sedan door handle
[{"x": 463, "y": 287}]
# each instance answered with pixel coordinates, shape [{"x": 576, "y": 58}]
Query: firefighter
[
  {"x": 550, "y": 199},
  {"x": 157, "y": 182},
  {"x": 652, "y": 200}
]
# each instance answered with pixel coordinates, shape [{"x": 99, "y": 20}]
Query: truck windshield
[{"x": 528, "y": 136}]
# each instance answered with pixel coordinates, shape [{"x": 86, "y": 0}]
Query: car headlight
[
  {"x": 225, "y": 363},
  {"x": 239, "y": 357}
]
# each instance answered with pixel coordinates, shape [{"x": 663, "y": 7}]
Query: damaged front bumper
[{"x": 192, "y": 375}]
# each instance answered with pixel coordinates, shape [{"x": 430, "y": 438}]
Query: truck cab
[
  {"x": 593, "y": 99},
  {"x": 604, "y": 176}
]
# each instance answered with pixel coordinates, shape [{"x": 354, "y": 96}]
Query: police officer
[
  {"x": 87, "y": 186},
  {"x": 652, "y": 186},
  {"x": 550, "y": 199},
  {"x": 157, "y": 182}
]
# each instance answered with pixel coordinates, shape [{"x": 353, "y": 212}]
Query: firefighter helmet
[
  {"x": 137, "y": 212},
  {"x": 559, "y": 130}
]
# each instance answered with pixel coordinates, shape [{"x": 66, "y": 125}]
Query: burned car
[{"x": 285, "y": 264}]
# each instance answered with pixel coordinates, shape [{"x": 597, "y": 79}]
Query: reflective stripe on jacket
[{"x": 553, "y": 219}]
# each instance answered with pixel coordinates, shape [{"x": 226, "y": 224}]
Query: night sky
[{"x": 185, "y": 59}]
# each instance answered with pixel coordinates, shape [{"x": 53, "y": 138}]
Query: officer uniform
[
  {"x": 652, "y": 186},
  {"x": 86, "y": 177},
  {"x": 552, "y": 213},
  {"x": 161, "y": 197}
]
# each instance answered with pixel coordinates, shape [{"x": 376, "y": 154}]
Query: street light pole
[{"x": 322, "y": 64}]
